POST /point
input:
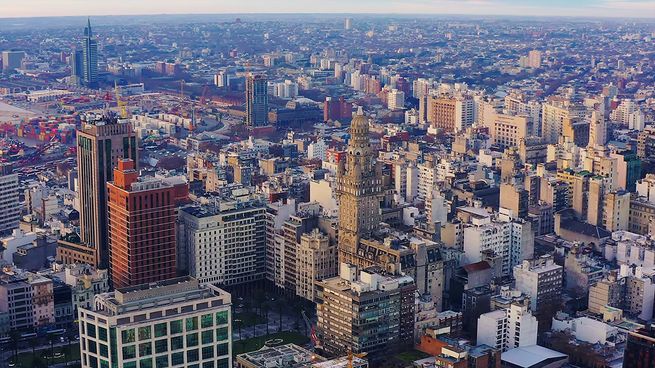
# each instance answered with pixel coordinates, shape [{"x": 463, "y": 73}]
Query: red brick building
[{"x": 141, "y": 226}]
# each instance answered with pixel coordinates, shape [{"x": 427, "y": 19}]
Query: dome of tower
[{"x": 359, "y": 124}]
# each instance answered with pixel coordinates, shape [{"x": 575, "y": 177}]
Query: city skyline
[{"x": 584, "y": 8}]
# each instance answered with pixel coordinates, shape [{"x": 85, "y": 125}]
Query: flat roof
[{"x": 529, "y": 356}]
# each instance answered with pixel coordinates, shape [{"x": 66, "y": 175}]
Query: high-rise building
[
  {"x": 541, "y": 279},
  {"x": 337, "y": 109},
  {"x": 90, "y": 56},
  {"x": 100, "y": 145},
  {"x": 372, "y": 313},
  {"x": 256, "y": 101},
  {"x": 396, "y": 100},
  {"x": 77, "y": 67},
  {"x": 141, "y": 227},
  {"x": 12, "y": 60},
  {"x": 359, "y": 189},
  {"x": 640, "y": 348},
  {"x": 174, "y": 323},
  {"x": 348, "y": 24},
  {"x": 507, "y": 130},
  {"x": 9, "y": 202},
  {"x": 208, "y": 248}
]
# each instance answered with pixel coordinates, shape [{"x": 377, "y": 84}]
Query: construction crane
[
  {"x": 310, "y": 328},
  {"x": 122, "y": 105},
  {"x": 352, "y": 356}
]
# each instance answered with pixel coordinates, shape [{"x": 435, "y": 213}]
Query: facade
[
  {"x": 100, "y": 145},
  {"x": 359, "y": 191},
  {"x": 396, "y": 100},
  {"x": 90, "y": 57},
  {"x": 316, "y": 260},
  {"x": 141, "y": 227},
  {"x": 12, "y": 60},
  {"x": 9, "y": 203},
  {"x": 372, "y": 313},
  {"x": 541, "y": 279},
  {"x": 256, "y": 101},
  {"x": 174, "y": 323},
  {"x": 16, "y": 300},
  {"x": 509, "y": 328},
  {"x": 85, "y": 282},
  {"x": 507, "y": 130},
  {"x": 224, "y": 242}
]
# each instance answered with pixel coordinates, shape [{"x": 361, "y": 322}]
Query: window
[
  {"x": 192, "y": 340},
  {"x": 207, "y": 352},
  {"x": 177, "y": 358},
  {"x": 127, "y": 336},
  {"x": 206, "y": 320},
  {"x": 192, "y": 355},
  {"x": 177, "y": 343},
  {"x": 192, "y": 323},
  {"x": 102, "y": 333},
  {"x": 161, "y": 361},
  {"x": 221, "y": 317},
  {"x": 90, "y": 330},
  {"x": 129, "y": 365},
  {"x": 221, "y": 334},
  {"x": 176, "y": 327},
  {"x": 161, "y": 346},
  {"x": 207, "y": 337},
  {"x": 93, "y": 362},
  {"x": 145, "y": 333},
  {"x": 104, "y": 350},
  {"x": 160, "y": 329},
  {"x": 222, "y": 349},
  {"x": 129, "y": 352},
  {"x": 145, "y": 363},
  {"x": 223, "y": 363},
  {"x": 145, "y": 349},
  {"x": 208, "y": 365}
]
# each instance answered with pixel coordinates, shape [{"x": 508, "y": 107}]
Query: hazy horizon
[{"x": 573, "y": 8}]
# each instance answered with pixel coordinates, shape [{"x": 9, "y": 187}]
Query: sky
[{"x": 601, "y": 8}]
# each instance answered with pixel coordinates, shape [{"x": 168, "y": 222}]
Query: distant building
[
  {"x": 507, "y": 329},
  {"x": 178, "y": 322},
  {"x": 541, "y": 279},
  {"x": 12, "y": 60},
  {"x": 90, "y": 56},
  {"x": 9, "y": 203},
  {"x": 256, "y": 101}
]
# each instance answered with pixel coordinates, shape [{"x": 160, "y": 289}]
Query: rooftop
[{"x": 531, "y": 356}]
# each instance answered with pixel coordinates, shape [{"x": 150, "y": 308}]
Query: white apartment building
[
  {"x": 513, "y": 241},
  {"x": 173, "y": 323},
  {"x": 316, "y": 260},
  {"x": 317, "y": 150},
  {"x": 509, "y": 328},
  {"x": 224, "y": 242},
  {"x": 541, "y": 279}
]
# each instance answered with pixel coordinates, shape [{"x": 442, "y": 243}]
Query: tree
[
  {"x": 34, "y": 343},
  {"x": 14, "y": 338},
  {"x": 52, "y": 339}
]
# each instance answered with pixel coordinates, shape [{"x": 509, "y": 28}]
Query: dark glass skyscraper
[
  {"x": 256, "y": 101},
  {"x": 90, "y": 58}
]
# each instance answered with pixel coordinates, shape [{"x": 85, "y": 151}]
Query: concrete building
[
  {"x": 12, "y": 60},
  {"x": 178, "y": 322},
  {"x": 508, "y": 329},
  {"x": 396, "y": 100},
  {"x": 100, "y": 145},
  {"x": 507, "y": 130},
  {"x": 316, "y": 260},
  {"x": 141, "y": 227},
  {"x": 541, "y": 279},
  {"x": 606, "y": 292},
  {"x": 223, "y": 242},
  {"x": 372, "y": 313},
  {"x": 16, "y": 300},
  {"x": 9, "y": 203},
  {"x": 586, "y": 329},
  {"x": 11, "y": 243},
  {"x": 256, "y": 101}
]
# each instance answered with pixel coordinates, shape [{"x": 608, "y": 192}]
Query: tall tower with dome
[{"x": 359, "y": 191}]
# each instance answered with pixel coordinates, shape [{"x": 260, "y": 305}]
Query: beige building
[
  {"x": 515, "y": 199},
  {"x": 507, "y": 130},
  {"x": 616, "y": 212},
  {"x": 606, "y": 292},
  {"x": 642, "y": 216},
  {"x": 316, "y": 260}
]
